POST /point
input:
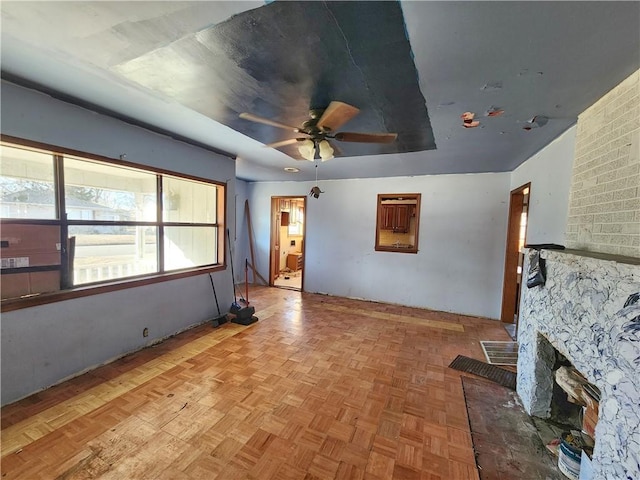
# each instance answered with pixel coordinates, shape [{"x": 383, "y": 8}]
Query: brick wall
[{"x": 604, "y": 204}]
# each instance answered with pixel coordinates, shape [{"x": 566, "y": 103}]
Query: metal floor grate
[
  {"x": 500, "y": 353},
  {"x": 499, "y": 375}
]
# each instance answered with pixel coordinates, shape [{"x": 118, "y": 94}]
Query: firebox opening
[
  {"x": 572, "y": 410},
  {"x": 564, "y": 411}
]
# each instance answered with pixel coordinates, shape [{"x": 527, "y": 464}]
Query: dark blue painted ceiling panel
[{"x": 281, "y": 60}]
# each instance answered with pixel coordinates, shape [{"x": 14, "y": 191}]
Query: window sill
[
  {"x": 396, "y": 249},
  {"x": 12, "y": 304}
]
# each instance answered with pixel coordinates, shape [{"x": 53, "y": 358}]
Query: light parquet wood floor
[{"x": 320, "y": 388}]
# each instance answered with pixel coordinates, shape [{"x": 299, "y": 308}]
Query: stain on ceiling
[{"x": 427, "y": 70}]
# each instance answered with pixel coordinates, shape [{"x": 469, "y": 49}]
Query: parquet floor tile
[{"x": 320, "y": 388}]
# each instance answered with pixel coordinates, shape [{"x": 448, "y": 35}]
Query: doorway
[
  {"x": 514, "y": 256},
  {"x": 288, "y": 224}
]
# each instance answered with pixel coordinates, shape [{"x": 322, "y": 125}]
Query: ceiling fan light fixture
[
  {"x": 326, "y": 152},
  {"x": 307, "y": 150},
  {"x": 323, "y": 124}
]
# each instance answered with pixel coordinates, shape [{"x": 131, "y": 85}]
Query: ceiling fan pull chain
[{"x": 315, "y": 191}]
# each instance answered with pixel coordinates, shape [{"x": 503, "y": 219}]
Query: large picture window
[{"x": 70, "y": 222}]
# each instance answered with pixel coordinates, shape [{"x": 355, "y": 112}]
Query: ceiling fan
[{"x": 315, "y": 134}]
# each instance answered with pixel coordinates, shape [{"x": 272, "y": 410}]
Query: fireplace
[{"x": 589, "y": 310}]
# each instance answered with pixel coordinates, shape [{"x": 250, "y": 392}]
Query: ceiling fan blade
[
  {"x": 282, "y": 143},
  {"x": 255, "y": 118},
  {"x": 366, "y": 137},
  {"x": 336, "y": 114}
]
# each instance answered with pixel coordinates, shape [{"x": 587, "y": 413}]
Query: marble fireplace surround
[{"x": 589, "y": 310}]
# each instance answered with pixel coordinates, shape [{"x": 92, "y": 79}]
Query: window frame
[
  {"x": 101, "y": 287},
  {"x": 381, "y": 221}
]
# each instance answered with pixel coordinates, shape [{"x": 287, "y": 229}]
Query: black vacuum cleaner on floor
[{"x": 240, "y": 315}]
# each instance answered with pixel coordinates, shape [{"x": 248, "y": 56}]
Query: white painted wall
[
  {"x": 549, "y": 172},
  {"x": 458, "y": 268},
  {"x": 45, "y": 344}
]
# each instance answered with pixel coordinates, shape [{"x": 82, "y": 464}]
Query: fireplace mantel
[
  {"x": 600, "y": 256},
  {"x": 589, "y": 310}
]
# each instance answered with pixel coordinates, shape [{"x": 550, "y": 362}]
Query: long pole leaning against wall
[{"x": 67, "y": 245}]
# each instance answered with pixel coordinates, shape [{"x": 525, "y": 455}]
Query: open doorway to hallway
[
  {"x": 514, "y": 257},
  {"x": 287, "y": 242}
]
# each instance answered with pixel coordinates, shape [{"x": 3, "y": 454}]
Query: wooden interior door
[{"x": 512, "y": 278}]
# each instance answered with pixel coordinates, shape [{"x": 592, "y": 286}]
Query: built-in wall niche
[{"x": 398, "y": 217}]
